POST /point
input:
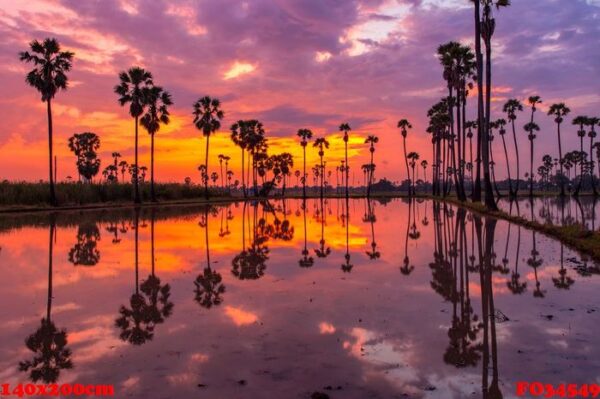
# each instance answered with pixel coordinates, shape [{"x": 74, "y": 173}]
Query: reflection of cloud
[
  {"x": 240, "y": 317},
  {"x": 326, "y": 328}
]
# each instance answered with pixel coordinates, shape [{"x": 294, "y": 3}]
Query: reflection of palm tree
[
  {"x": 209, "y": 284},
  {"x": 137, "y": 322},
  {"x": 48, "y": 342},
  {"x": 406, "y": 267},
  {"x": 347, "y": 266},
  {"x": 534, "y": 260},
  {"x": 370, "y": 217},
  {"x": 563, "y": 281},
  {"x": 250, "y": 263},
  {"x": 85, "y": 252},
  {"x": 322, "y": 251},
  {"x": 515, "y": 285},
  {"x": 306, "y": 260}
]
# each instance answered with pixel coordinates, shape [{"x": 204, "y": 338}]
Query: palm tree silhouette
[
  {"x": 321, "y": 143},
  {"x": 207, "y": 118},
  {"x": 345, "y": 127},
  {"x": 511, "y": 107},
  {"x": 239, "y": 136},
  {"x": 592, "y": 122},
  {"x": 305, "y": 135},
  {"x": 414, "y": 157},
  {"x": 132, "y": 90},
  {"x": 404, "y": 125},
  {"x": 531, "y": 128},
  {"x": 580, "y": 121},
  {"x": 157, "y": 102},
  {"x": 371, "y": 140},
  {"x": 559, "y": 111},
  {"x": 48, "y": 343},
  {"x": 48, "y": 77}
]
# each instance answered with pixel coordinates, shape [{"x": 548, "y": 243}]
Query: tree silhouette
[
  {"x": 158, "y": 101},
  {"x": 85, "y": 146},
  {"x": 48, "y": 76},
  {"x": 207, "y": 118},
  {"x": 559, "y": 111},
  {"x": 85, "y": 252},
  {"x": 404, "y": 125},
  {"x": 321, "y": 143},
  {"x": 209, "y": 284},
  {"x": 511, "y": 107},
  {"x": 131, "y": 90},
  {"x": 371, "y": 140},
  {"x": 345, "y": 127}
]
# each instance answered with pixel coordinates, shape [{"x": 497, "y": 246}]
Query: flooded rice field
[{"x": 357, "y": 299}]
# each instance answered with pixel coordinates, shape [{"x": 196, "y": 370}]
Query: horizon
[{"x": 317, "y": 74}]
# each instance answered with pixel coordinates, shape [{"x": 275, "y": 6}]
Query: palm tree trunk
[
  {"x": 152, "y": 196},
  {"x": 489, "y": 194},
  {"x": 222, "y": 181},
  {"x": 322, "y": 173},
  {"x": 516, "y": 192},
  {"x": 476, "y": 195},
  {"x": 560, "y": 161},
  {"x": 137, "y": 199},
  {"x": 243, "y": 173},
  {"x": 510, "y": 185},
  {"x": 206, "y": 168},
  {"x": 592, "y": 176},
  {"x": 304, "y": 173},
  {"x": 53, "y": 201},
  {"x": 531, "y": 169},
  {"x": 406, "y": 162},
  {"x": 346, "y": 166}
]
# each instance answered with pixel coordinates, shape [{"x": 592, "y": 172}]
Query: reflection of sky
[{"x": 371, "y": 331}]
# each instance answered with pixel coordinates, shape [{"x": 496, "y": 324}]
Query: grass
[
  {"x": 24, "y": 195},
  {"x": 574, "y": 236}
]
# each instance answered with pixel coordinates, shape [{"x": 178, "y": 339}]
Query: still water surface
[{"x": 263, "y": 300}]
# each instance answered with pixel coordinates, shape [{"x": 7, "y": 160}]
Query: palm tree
[
  {"x": 581, "y": 121},
  {"x": 116, "y": 156},
  {"x": 322, "y": 144},
  {"x": 559, "y": 111},
  {"x": 132, "y": 90},
  {"x": 207, "y": 118},
  {"x": 511, "y": 107},
  {"x": 424, "y": 166},
  {"x": 305, "y": 135},
  {"x": 414, "y": 157},
  {"x": 404, "y": 125},
  {"x": 501, "y": 125},
  {"x": 48, "y": 76},
  {"x": 531, "y": 128},
  {"x": 157, "y": 101},
  {"x": 345, "y": 127},
  {"x": 592, "y": 122},
  {"x": 371, "y": 140},
  {"x": 221, "y": 159}
]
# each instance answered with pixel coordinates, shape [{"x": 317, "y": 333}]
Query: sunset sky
[{"x": 289, "y": 63}]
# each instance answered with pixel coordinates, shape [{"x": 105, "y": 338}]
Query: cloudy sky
[{"x": 289, "y": 63}]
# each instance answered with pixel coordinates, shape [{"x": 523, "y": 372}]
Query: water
[
  {"x": 584, "y": 211},
  {"x": 266, "y": 300}
]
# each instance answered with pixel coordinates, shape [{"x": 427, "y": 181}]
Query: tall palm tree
[
  {"x": 371, "y": 140},
  {"x": 559, "y": 111},
  {"x": 158, "y": 101},
  {"x": 414, "y": 157},
  {"x": 511, "y": 107},
  {"x": 131, "y": 90},
  {"x": 48, "y": 76},
  {"x": 305, "y": 135},
  {"x": 424, "y": 166},
  {"x": 207, "y": 118},
  {"x": 239, "y": 136},
  {"x": 221, "y": 159},
  {"x": 404, "y": 125},
  {"x": 345, "y": 127},
  {"x": 592, "y": 122},
  {"x": 581, "y": 121},
  {"x": 488, "y": 25},
  {"x": 531, "y": 128},
  {"x": 321, "y": 143}
]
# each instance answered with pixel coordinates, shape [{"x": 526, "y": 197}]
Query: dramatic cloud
[{"x": 290, "y": 63}]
